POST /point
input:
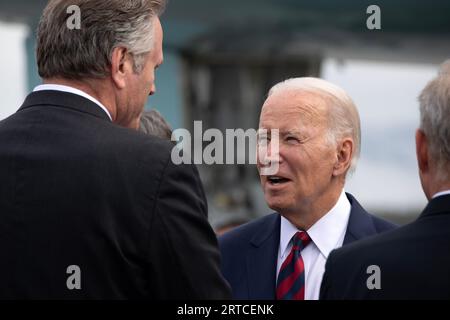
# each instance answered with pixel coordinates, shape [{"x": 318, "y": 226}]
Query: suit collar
[
  {"x": 64, "y": 88},
  {"x": 360, "y": 223},
  {"x": 262, "y": 257},
  {"x": 438, "y": 205},
  {"x": 65, "y": 100},
  {"x": 270, "y": 226},
  {"x": 263, "y": 253},
  {"x": 441, "y": 193},
  {"x": 333, "y": 224}
]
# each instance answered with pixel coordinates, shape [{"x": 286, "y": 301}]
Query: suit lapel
[
  {"x": 262, "y": 260},
  {"x": 360, "y": 223},
  {"x": 263, "y": 249}
]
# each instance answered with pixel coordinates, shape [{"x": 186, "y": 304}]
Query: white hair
[
  {"x": 343, "y": 115},
  {"x": 435, "y": 119}
]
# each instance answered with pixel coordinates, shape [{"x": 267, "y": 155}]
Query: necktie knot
[{"x": 300, "y": 240}]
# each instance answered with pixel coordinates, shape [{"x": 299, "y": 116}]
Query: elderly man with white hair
[
  {"x": 411, "y": 262},
  {"x": 311, "y": 131}
]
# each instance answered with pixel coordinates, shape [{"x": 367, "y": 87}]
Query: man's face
[
  {"x": 306, "y": 157},
  {"x": 143, "y": 84}
]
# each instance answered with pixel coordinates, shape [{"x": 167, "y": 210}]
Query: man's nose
[
  {"x": 269, "y": 160},
  {"x": 152, "y": 90},
  {"x": 269, "y": 154}
]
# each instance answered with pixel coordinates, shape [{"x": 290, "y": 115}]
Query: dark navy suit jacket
[
  {"x": 413, "y": 261},
  {"x": 249, "y": 252}
]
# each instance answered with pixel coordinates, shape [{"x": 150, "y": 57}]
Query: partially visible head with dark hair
[{"x": 152, "y": 122}]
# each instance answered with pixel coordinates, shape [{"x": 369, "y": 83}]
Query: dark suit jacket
[
  {"x": 249, "y": 252},
  {"x": 75, "y": 189},
  {"x": 414, "y": 261}
]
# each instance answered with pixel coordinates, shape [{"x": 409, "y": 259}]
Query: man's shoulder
[
  {"x": 137, "y": 141},
  {"x": 399, "y": 254},
  {"x": 382, "y": 225},
  {"x": 111, "y": 141},
  {"x": 80, "y": 122},
  {"x": 362, "y": 223},
  {"x": 385, "y": 245},
  {"x": 347, "y": 267},
  {"x": 427, "y": 230}
]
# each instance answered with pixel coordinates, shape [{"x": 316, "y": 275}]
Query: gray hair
[
  {"x": 435, "y": 118},
  {"x": 343, "y": 116},
  {"x": 152, "y": 122},
  {"x": 105, "y": 25}
]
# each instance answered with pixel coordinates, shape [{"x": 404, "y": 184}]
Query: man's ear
[
  {"x": 119, "y": 66},
  {"x": 345, "y": 151},
  {"x": 422, "y": 151}
]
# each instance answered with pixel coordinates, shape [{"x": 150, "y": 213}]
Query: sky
[
  {"x": 386, "y": 97},
  {"x": 13, "y": 84},
  {"x": 386, "y": 94}
]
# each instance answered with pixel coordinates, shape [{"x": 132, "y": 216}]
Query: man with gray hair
[
  {"x": 90, "y": 208},
  {"x": 317, "y": 130},
  {"x": 412, "y": 262}
]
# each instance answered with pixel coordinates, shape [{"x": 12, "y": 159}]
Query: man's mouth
[{"x": 276, "y": 180}]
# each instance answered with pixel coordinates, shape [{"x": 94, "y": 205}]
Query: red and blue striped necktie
[{"x": 291, "y": 278}]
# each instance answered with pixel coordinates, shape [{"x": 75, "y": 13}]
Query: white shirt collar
[
  {"x": 325, "y": 233},
  {"x": 441, "y": 193},
  {"x": 58, "y": 87},
  {"x": 287, "y": 231}
]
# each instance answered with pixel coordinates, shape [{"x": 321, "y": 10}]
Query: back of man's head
[
  {"x": 435, "y": 121},
  {"x": 153, "y": 123},
  {"x": 85, "y": 52}
]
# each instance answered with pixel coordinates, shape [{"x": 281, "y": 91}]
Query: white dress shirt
[
  {"x": 441, "y": 193},
  {"x": 58, "y": 87},
  {"x": 326, "y": 234}
]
